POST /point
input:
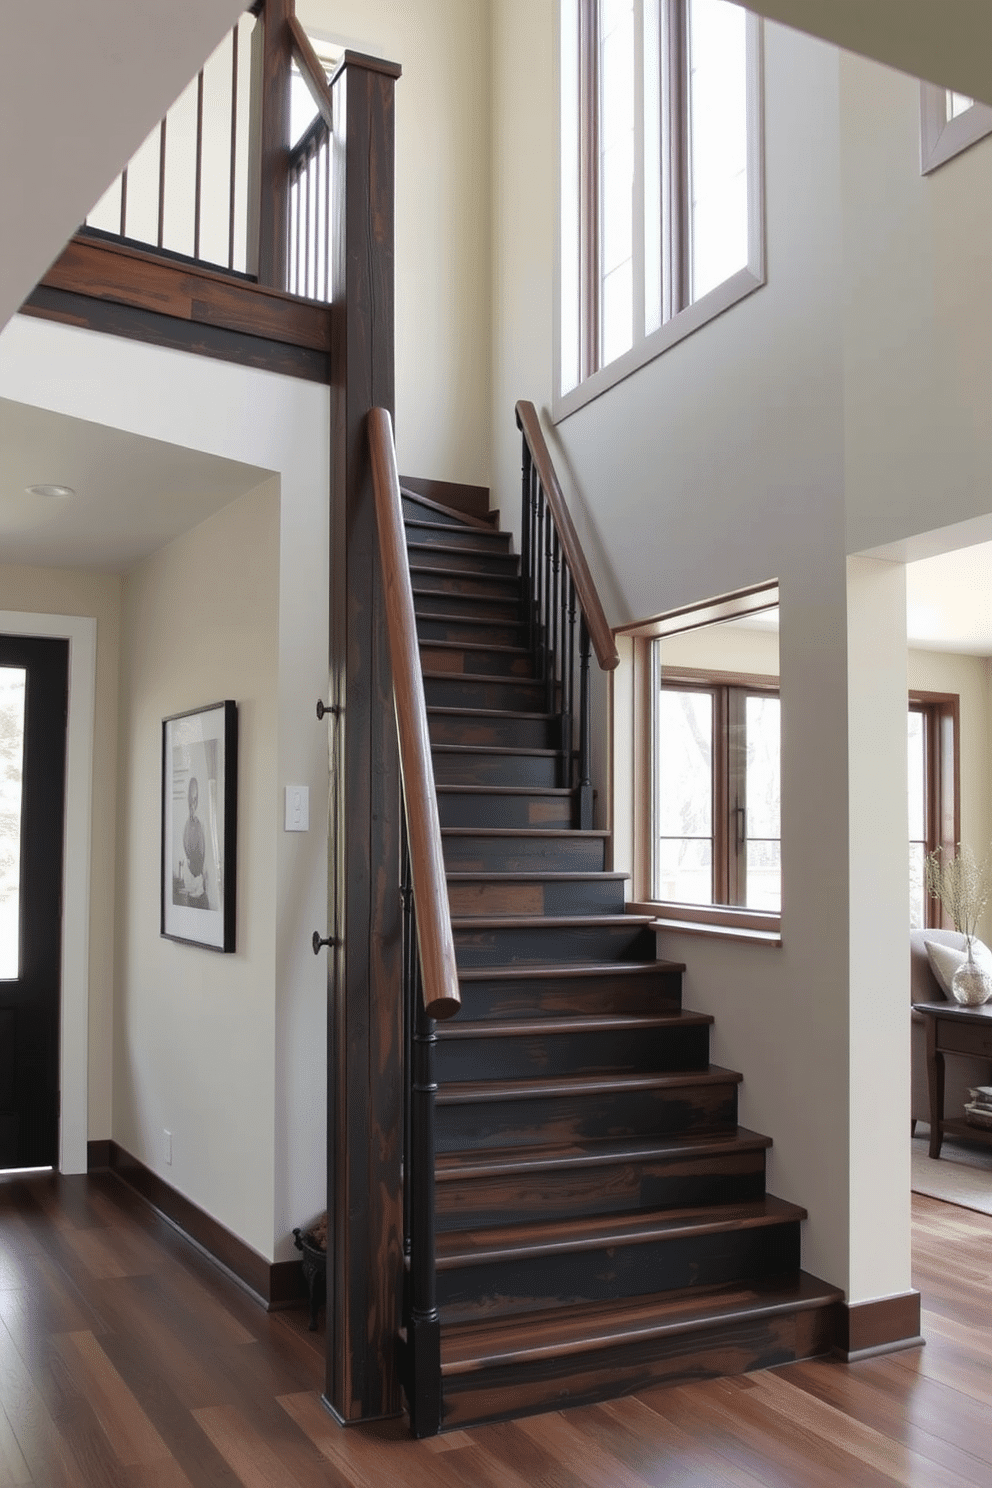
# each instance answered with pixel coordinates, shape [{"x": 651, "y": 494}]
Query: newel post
[
  {"x": 268, "y": 204},
  {"x": 365, "y": 1013}
]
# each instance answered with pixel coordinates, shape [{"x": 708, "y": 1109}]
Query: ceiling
[
  {"x": 949, "y": 601},
  {"x": 132, "y": 495}
]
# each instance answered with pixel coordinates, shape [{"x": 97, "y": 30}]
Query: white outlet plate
[
  {"x": 167, "y": 1142},
  {"x": 297, "y": 808}
]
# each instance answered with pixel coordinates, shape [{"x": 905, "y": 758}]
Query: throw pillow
[{"x": 945, "y": 960}]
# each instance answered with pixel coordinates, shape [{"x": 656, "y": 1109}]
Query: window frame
[
  {"x": 732, "y": 922},
  {"x": 578, "y": 278},
  {"x": 942, "y": 138},
  {"x": 941, "y": 713}
]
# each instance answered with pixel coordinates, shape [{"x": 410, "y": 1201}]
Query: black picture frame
[{"x": 199, "y": 826}]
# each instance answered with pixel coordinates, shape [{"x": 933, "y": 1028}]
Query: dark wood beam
[{"x": 365, "y": 1021}]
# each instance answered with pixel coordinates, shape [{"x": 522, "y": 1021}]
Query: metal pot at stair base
[{"x": 314, "y": 1272}]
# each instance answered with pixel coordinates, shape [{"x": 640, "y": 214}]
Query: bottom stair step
[{"x": 595, "y": 1351}]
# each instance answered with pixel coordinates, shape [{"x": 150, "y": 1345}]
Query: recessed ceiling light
[{"x": 50, "y": 491}]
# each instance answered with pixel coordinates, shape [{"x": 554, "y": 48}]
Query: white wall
[
  {"x": 282, "y": 425},
  {"x": 66, "y": 592},
  {"x": 443, "y": 273}
]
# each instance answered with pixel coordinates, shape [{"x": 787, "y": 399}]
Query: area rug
[{"x": 961, "y": 1175}]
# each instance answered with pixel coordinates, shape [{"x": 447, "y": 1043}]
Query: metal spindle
[
  {"x": 161, "y": 182},
  {"x": 198, "y": 184},
  {"x": 526, "y": 505},
  {"x": 585, "y": 730},
  {"x": 234, "y": 146},
  {"x": 308, "y": 161},
  {"x": 409, "y": 981},
  {"x": 424, "y": 1327}
]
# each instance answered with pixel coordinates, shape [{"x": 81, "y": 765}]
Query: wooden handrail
[
  {"x": 312, "y": 73},
  {"x": 600, "y": 633},
  {"x": 439, "y": 973}
]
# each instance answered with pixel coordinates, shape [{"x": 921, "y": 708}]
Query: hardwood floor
[{"x": 127, "y": 1360}]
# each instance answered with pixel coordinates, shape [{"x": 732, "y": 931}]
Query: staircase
[{"x": 602, "y": 1221}]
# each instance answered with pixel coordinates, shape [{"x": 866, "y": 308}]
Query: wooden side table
[{"x": 953, "y": 1030}]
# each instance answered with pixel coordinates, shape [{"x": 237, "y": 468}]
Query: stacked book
[{"x": 978, "y": 1111}]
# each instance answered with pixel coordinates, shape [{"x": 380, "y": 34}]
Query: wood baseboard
[
  {"x": 880, "y": 1327},
  {"x": 473, "y": 500},
  {"x": 276, "y": 1284}
]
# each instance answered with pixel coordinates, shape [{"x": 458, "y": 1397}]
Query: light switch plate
[{"x": 297, "y": 808}]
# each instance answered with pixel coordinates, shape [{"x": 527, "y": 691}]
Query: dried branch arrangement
[{"x": 961, "y": 885}]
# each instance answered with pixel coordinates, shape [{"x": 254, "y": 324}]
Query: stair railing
[
  {"x": 429, "y": 970},
  {"x": 564, "y": 615},
  {"x": 308, "y": 267}
]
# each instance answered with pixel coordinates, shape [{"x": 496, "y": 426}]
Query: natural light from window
[
  {"x": 717, "y": 143},
  {"x": 12, "y": 694}
]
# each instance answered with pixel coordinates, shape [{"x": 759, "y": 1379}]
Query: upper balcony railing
[{"x": 237, "y": 176}]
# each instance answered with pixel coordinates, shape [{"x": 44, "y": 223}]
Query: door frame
[{"x": 80, "y": 632}]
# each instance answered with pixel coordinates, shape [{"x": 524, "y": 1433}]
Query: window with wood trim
[
  {"x": 718, "y": 793},
  {"x": 934, "y": 810},
  {"x": 660, "y": 182}
]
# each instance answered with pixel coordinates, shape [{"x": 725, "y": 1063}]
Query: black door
[{"x": 33, "y": 709}]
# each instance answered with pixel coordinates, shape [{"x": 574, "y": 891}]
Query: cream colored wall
[
  {"x": 968, "y": 676},
  {"x": 279, "y": 424},
  {"x": 443, "y": 220},
  {"x": 726, "y": 648},
  {"x": 197, "y": 1028},
  {"x": 51, "y": 591}
]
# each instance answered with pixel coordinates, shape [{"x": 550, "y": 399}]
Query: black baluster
[
  {"x": 409, "y": 979},
  {"x": 585, "y": 731},
  {"x": 424, "y": 1327},
  {"x": 526, "y": 535},
  {"x": 554, "y": 643}
]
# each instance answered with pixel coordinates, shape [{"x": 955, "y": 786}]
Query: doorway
[{"x": 34, "y": 674}]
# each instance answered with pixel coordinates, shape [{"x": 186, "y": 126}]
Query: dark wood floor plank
[{"x": 161, "y": 1372}]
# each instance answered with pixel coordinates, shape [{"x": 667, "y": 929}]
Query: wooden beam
[
  {"x": 365, "y": 1018},
  {"x": 273, "y": 142}
]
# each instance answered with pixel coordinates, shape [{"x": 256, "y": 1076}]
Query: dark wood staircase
[{"x": 602, "y": 1221}]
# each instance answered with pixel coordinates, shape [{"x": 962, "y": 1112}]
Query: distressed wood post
[
  {"x": 365, "y": 1014},
  {"x": 268, "y": 212}
]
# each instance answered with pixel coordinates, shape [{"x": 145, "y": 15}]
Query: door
[{"x": 33, "y": 711}]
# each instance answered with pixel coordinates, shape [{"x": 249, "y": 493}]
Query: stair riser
[
  {"x": 457, "y": 537},
  {"x": 499, "y": 733},
  {"x": 498, "y": 1393},
  {"x": 495, "y": 1288},
  {"x": 498, "y": 810},
  {"x": 590, "y": 896},
  {"x": 459, "y": 629},
  {"x": 540, "y": 1119},
  {"x": 524, "y": 854},
  {"x": 437, "y": 583},
  {"x": 650, "y": 992},
  {"x": 464, "y": 561},
  {"x": 614, "y": 1188},
  {"x": 481, "y": 662},
  {"x": 531, "y": 945},
  {"x": 503, "y": 609},
  {"x": 455, "y": 692},
  {"x": 614, "y": 1051},
  {"x": 496, "y": 769}
]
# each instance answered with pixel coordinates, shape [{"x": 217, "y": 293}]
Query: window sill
[{"x": 715, "y": 921}]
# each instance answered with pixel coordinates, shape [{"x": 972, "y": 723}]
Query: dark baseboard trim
[
  {"x": 882, "y": 1327},
  {"x": 276, "y": 1284}
]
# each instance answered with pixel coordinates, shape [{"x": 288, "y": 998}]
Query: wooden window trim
[{"x": 942, "y": 782}]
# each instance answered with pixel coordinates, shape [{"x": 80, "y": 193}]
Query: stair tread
[
  {"x": 418, "y": 547},
  {"x": 467, "y": 599},
  {"x": 486, "y": 677},
  {"x": 471, "y": 1346},
  {"x": 595, "y": 1232},
  {"x": 506, "y": 790},
  {"x": 529, "y": 922},
  {"x": 429, "y": 645},
  {"x": 532, "y": 876},
  {"x": 476, "y": 713},
  {"x": 578, "y": 834},
  {"x": 456, "y": 1167},
  {"x": 464, "y": 518},
  {"x": 426, "y": 568},
  {"x": 481, "y": 620},
  {"x": 566, "y": 970},
  {"x": 462, "y": 1028},
  {"x": 500, "y": 749},
  {"x": 463, "y": 1091},
  {"x": 479, "y": 532}
]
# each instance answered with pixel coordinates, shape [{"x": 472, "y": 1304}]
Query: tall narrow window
[
  {"x": 934, "y": 813},
  {"x": 660, "y": 177},
  {"x": 12, "y": 682},
  {"x": 949, "y": 123}
]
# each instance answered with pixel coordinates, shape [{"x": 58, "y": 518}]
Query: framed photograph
[{"x": 199, "y": 825}]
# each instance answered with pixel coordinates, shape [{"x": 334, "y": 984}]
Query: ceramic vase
[{"x": 971, "y": 985}]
